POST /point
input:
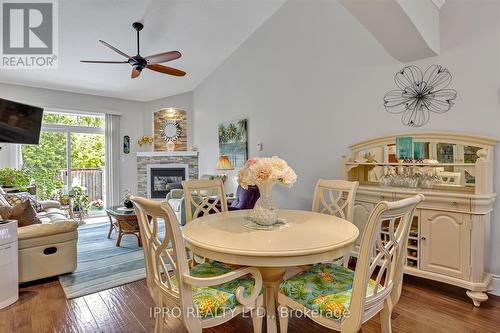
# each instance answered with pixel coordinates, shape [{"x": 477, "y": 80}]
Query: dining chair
[
  {"x": 149, "y": 234},
  {"x": 208, "y": 294},
  {"x": 203, "y": 197},
  {"x": 341, "y": 299},
  {"x": 335, "y": 197}
]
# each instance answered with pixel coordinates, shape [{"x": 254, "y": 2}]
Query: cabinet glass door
[
  {"x": 470, "y": 156},
  {"x": 446, "y": 153}
]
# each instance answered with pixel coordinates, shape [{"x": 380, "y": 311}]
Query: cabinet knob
[
  {"x": 423, "y": 238},
  {"x": 454, "y": 203}
]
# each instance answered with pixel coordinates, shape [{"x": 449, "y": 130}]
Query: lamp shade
[{"x": 223, "y": 163}]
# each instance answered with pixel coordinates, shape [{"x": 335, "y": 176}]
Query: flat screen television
[{"x": 19, "y": 123}]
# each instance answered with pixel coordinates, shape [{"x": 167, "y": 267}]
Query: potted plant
[
  {"x": 81, "y": 201},
  {"x": 64, "y": 199},
  {"x": 126, "y": 200},
  {"x": 98, "y": 204}
]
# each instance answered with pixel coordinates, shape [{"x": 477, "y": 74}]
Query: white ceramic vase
[{"x": 265, "y": 211}]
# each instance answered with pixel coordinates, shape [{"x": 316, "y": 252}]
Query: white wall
[
  {"x": 181, "y": 101},
  {"x": 131, "y": 120},
  {"x": 311, "y": 82}
]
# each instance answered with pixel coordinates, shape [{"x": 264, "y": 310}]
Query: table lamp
[{"x": 223, "y": 163}]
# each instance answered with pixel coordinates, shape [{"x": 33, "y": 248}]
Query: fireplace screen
[{"x": 165, "y": 179}]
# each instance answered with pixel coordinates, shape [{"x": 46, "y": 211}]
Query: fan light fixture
[{"x": 138, "y": 62}]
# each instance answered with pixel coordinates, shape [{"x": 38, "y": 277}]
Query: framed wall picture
[
  {"x": 170, "y": 126},
  {"x": 126, "y": 144},
  {"x": 233, "y": 141}
]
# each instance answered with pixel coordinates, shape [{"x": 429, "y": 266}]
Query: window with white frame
[{"x": 70, "y": 154}]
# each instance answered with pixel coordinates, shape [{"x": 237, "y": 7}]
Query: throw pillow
[
  {"x": 16, "y": 198},
  {"x": 3, "y": 202},
  {"x": 23, "y": 213}
]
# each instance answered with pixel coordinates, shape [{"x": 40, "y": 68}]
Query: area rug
[{"x": 102, "y": 265}]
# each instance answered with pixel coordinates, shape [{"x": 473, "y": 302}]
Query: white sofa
[{"x": 47, "y": 249}]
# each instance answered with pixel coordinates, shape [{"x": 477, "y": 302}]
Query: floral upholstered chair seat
[
  {"x": 214, "y": 301},
  {"x": 324, "y": 288}
]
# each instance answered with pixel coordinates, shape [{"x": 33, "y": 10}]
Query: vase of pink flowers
[{"x": 265, "y": 172}]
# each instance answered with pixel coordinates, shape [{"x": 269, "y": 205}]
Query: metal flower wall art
[{"x": 419, "y": 94}]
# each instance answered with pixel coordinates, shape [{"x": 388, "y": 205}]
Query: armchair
[{"x": 175, "y": 198}]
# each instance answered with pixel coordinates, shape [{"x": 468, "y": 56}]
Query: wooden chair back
[
  {"x": 167, "y": 270},
  {"x": 165, "y": 254},
  {"x": 382, "y": 259},
  {"x": 203, "y": 197},
  {"x": 335, "y": 197}
]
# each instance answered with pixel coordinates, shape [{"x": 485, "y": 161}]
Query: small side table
[
  {"x": 124, "y": 221},
  {"x": 79, "y": 217},
  {"x": 9, "y": 288}
]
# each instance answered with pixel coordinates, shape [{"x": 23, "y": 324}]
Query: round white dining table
[{"x": 308, "y": 238}]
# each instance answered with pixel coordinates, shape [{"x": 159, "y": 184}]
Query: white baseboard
[{"x": 495, "y": 285}]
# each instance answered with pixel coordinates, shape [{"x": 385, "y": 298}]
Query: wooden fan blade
[
  {"x": 114, "y": 49},
  {"x": 166, "y": 70},
  {"x": 135, "y": 73},
  {"x": 103, "y": 62},
  {"x": 163, "y": 57}
]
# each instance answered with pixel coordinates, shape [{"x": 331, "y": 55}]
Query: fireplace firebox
[{"x": 163, "y": 179}]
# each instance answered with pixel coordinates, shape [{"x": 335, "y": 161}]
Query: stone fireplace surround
[{"x": 145, "y": 159}]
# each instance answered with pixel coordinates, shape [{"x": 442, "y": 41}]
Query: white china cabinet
[{"x": 450, "y": 235}]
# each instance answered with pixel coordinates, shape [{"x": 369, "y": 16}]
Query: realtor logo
[{"x": 29, "y": 33}]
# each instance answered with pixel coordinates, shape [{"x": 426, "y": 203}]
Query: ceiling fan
[{"x": 138, "y": 62}]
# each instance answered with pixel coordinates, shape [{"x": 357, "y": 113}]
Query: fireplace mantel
[{"x": 166, "y": 153}]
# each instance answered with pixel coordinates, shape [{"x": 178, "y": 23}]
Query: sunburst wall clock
[{"x": 420, "y": 93}]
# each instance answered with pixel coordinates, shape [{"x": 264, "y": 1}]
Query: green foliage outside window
[
  {"x": 75, "y": 120},
  {"x": 10, "y": 177},
  {"x": 46, "y": 160}
]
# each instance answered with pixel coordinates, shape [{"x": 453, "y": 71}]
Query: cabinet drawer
[
  {"x": 374, "y": 197},
  {"x": 441, "y": 203}
]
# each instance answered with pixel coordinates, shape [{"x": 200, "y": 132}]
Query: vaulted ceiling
[
  {"x": 206, "y": 33},
  {"x": 407, "y": 29}
]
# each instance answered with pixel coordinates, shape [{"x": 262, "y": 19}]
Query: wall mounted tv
[{"x": 19, "y": 123}]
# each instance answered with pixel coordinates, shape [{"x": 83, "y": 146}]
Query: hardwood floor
[{"x": 425, "y": 306}]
